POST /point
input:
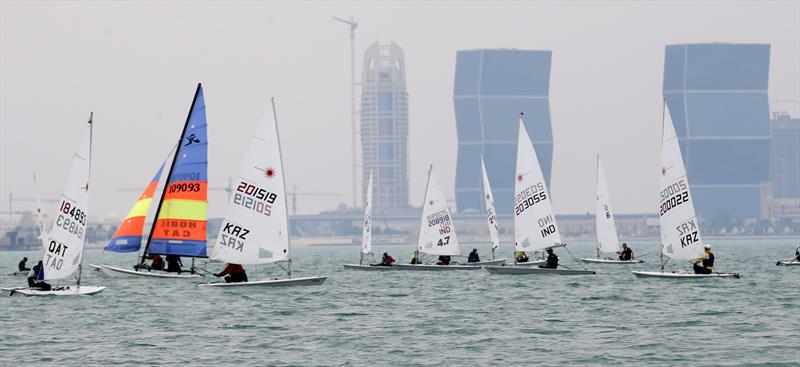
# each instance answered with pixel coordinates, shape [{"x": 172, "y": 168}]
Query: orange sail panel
[{"x": 128, "y": 237}]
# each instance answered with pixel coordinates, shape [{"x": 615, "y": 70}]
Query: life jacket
[{"x": 708, "y": 262}]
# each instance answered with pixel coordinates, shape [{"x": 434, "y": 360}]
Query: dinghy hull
[
  {"x": 429, "y": 267},
  {"x": 529, "y": 263},
  {"x": 18, "y": 274},
  {"x": 788, "y": 263},
  {"x": 367, "y": 267},
  {"x": 270, "y": 282},
  {"x": 487, "y": 262},
  {"x": 72, "y": 290},
  {"x": 682, "y": 276},
  {"x": 517, "y": 270},
  {"x": 115, "y": 272},
  {"x": 611, "y": 261}
]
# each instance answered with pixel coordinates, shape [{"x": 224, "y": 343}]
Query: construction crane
[
  {"x": 353, "y": 25},
  {"x": 12, "y": 199}
]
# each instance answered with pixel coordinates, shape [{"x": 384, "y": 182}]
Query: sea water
[{"x": 419, "y": 318}]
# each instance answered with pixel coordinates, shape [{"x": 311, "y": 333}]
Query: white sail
[
  {"x": 437, "y": 236},
  {"x": 680, "y": 230},
  {"x": 491, "y": 216},
  {"x": 255, "y": 229},
  {"x": 535, "y": 226},
  {"x": 366, "y": 236},
  {"x": 39, "y": 214},
  {"x": 63, "y": 250},
  {"x": 607, "y": 240}
]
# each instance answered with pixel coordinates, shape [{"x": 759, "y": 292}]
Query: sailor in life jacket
[{"x": 705, "y": 264}]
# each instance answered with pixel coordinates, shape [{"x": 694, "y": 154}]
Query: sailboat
[
  {"x": 535, "y": 227},
  {"x": 607, "y": 240},
  {"x": 680, "y": 229},
  {"x": 256, "y": 225},
  {"x": 179, "y": 226},
  {"x": 366, "y": 237},
  {"x": 63, "y": 252},
  {"x": 437, "y": 235},
  {"x": 491, "y": 220}
]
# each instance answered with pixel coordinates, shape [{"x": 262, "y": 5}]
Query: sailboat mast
[
  {"x": 166, "y": 181},
  {"x": 88, "y": 179},
  {"x": 285, "y": 200},
  {"x": 663, "y": 117},
  {"x": 596, "y": 183}
]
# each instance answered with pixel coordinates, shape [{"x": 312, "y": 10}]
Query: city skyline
[{"x": 138, "y": 78}]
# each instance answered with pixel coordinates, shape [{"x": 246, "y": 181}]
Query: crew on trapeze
[
  {"x": 386, "y": 260},
  {"x": 473, "y": 256},
  {"x": 705, "y": 264},
  {"x": 552, "y": 260},
  {"x": 626, "y": 254},
  {"x": 235, "y": 273}
]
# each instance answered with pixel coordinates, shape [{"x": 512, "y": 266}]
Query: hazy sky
[{"x": 136, "y": 66}]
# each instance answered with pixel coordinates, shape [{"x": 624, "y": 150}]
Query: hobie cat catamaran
[
  {"x": 179, "y": 227},
  {"x": 680, "y": 229},
  {"x": 63, "y": 246},
  {"x": 437, "y": 235},
  {"x": 535, "y": 226},
  {"x": 366, "y": 237},
  {"x": 607, "y": 240},
  {"x": 256, "y": 225}
]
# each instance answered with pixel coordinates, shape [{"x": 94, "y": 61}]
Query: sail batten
[{"x": 437, "y": 235}]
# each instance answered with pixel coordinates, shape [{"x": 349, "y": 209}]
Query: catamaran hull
[
  {"x": 428, "y": 267},
  {"x": 516, "y": 270},
  {"x": 72, "y": 290},
  {"x": 270, "y": 282},
  {"x": 788, "y": 263},
  {"x": 682, "y": 276},
  {"x": 115, "y": 272},
  {"x": 367, "y": 267},
  {"x": 610, "y": 261},
  {"x": 488, "y": 262}
]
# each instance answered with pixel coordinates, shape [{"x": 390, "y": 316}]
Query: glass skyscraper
[
  {"x": 717, "y": 96},
  {"x": 384, "y": 125},
  {"x": 491, "y": 88},
  {"x": 785, "y": 157}
]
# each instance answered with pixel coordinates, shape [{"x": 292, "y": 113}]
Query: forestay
[
  {"x": 491, "y": 216},
  {"x": 534, "y": 221},
  {"x": 255, "y": 229},
  {"x": 64, "y": 244},
  {"x": 437, "y": 236},
  {"x": 366, "y": 236},
  {"x": 128, "y": 236},
  {"x": 607, "y": 240},
  {"x": 680, "y": 231}
]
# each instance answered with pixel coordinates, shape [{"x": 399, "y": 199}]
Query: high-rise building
[
  {"x": 491, "y": 88},
  {"x": 384, "y": 125},
  {"x": 717, "y": 96},
  {"x": 784, "y": 163}
]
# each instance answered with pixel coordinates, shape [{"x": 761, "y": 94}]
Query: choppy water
[{"x": 419, "y": 318}]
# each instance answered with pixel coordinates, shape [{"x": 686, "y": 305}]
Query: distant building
[
  {"x": 784, "y": 169},
  {"x": 717, "y": 96},
  {"x": 384, "y": 125},
  {"x": 491, "y": 88}
]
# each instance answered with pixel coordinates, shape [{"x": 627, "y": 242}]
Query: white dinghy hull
[
  {"x": 676, "y": 275},
  {"x": 270, "y": 282},
  {"x": 487, "y": 262},
  {"x": 611, "y": 261},
  {"x": 72, "y": 290},
  {"x": 529, "y": 263},
  {"x": 788, "y": 263},
  {"x": 367, "y": 267},
  {"x": 18, "y": 273},
  {"x": 517, "y": 270},
  {"x": 115, "y": 272},
  {"x": 430, "y": 267}
]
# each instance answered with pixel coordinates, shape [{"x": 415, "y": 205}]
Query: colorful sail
[
  {"x": 607, "y": 240},
  {"x": 680, "y": 230},
  {"x": 63, "y": 250},
  {"x": 256, "y": 225},
  {"x": 180, "y": 224},
  {"x": 535, "y": 226},
  {"x": 366, "y": 236},
  {"x": 437, "y": 236},
  {"x": 491, "y": 216},
  {"x": 128, "y": 237}
]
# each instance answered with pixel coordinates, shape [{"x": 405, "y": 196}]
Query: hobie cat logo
[{"x": 191, "y": 139}]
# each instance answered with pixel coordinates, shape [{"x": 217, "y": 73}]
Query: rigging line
[{"x": 575, "y": 258}]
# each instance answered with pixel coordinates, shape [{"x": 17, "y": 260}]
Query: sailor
[
  {"x": 521, "y": 257},
  {"x": 473, "y": 256},
  {"x": 552, "y": 260},
  {"x": 386, "y": 260},
  {"x": 33, "y": 276},
  {"x": 157, "y": 263},
  {"x": 444, "y": 260},
  {"x": 797, "y": 254},
  {"x": 415, "y": 258},
  {"x": 705, "y": 264},
  {"x": 22, "y": 264},
  {"x": 235, "y": 272},
  {"x": 626, "y": 254},
  {"x": 174, "y": 264}
]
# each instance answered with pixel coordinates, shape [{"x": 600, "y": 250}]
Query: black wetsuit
[
  {"x": 473, "y": 257},
  {"x": 174, "y": 264},
  {"x": 22, "y": 266},
  {"x": 551, "y": 262},
  {"x": 626, "y": 254}
]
